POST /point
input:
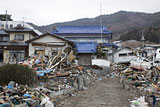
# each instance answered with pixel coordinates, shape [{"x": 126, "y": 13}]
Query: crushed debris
[
  {"x": 142, "y": 78},
  {"x": 59, "y": 76}
]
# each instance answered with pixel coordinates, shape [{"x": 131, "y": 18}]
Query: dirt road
[{"x": 105, "y": 93}]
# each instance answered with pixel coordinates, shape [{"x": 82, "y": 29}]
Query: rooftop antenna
[
  {"x": 6, "y": 20},
  {"x": 101, "y": 20}
]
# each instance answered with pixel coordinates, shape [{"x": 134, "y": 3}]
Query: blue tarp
[
  {"x": 6, "y": 105},
  {"x": 37, "y": 61},
  {"x": 26, "y": 95},
  {"x": 43, "y": 72},
  {"x": 86, "y": 47},
  {"x": 10, "y": 86}
]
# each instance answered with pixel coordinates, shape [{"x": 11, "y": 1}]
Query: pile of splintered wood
[{"x": 61, "y": 60}]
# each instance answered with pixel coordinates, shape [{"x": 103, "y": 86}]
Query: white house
[
  {"x": 47, "y": 43},
  {"x": 124, "y": 55}
]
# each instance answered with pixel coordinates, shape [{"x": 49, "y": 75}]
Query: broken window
[{"x": 131, "y": 54}]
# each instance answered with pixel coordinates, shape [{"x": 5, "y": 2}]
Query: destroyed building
[
  {"x": 47, "y": 43},
  {"x": 124, "y": 55}
]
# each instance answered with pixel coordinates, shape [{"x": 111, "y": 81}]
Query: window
[
  {"x": 11, "y": 26},
  {"x": 19, "y": 37},
  {"x": 122, "y": 55},
  {"x": 4, "y": 38},
  {"x": 17, "y": 55},
  {"x": 130, "y": 54}
]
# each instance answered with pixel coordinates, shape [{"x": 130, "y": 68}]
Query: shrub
[{"x": 18, "y": 73}]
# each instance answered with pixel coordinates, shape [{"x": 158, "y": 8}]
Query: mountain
[
  {"x": 151, "y": 34},
  {"x": 119, "y": 22}
]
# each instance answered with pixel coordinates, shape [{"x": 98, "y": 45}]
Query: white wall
[
  {"x": 15, "y": 23},
  {"x": 99, "y": 40},
  {"x": 150, "y": 52},
  {"x": 123, "y": 59}
]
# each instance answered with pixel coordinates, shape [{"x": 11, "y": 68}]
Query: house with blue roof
[
  {"x": 84, "y": 33},
  {"x": 86, "y": 51},
  {"x": 86, "y": 39}
]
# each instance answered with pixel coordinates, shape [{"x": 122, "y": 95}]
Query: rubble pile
[
  {"x": 58, "y": 77},
  {"x": 146, "y": 82},
  {"x": 15, "y": 95},
  {"x": 139, "y": 102}
]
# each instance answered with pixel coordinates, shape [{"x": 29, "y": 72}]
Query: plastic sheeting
[
  {"x": 101, "y": 62},
  {"x": 43, "y": 72},
  {"x": 47, "y": 102}
]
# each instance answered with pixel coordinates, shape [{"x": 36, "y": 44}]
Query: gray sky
[{"x": 44, "y": 12}]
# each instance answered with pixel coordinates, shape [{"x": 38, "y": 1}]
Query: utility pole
[
  {"x": 142, "y": 39},
  {"x": 101, "y": 21},
  {"x": 6, "y": 20},
  {"x": 23, "y": 21}
]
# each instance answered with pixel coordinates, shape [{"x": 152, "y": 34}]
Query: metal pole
[
  {"x": 6, "y": 20},
  {"x": 143, "y": 37},
  {"x": 101, "y": 21},
  {"x": 23, "y": 21}
]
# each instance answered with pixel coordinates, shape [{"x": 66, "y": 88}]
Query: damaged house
[
  {"x": 13, "y": 46},
  {"x": 86, "y": 52},
  {"x": 47, "y": 43},
  {"x": 124, "y": 55}
]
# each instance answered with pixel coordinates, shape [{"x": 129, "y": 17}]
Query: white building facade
[
  {"x": 124, "y": 55},
  {"x": 12, "y": 24}
]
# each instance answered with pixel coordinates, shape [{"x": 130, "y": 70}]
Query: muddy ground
[{"x": 105, "y": 93}]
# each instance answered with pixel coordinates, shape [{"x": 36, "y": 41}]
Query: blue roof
[
  {"x": 110, "y": 45},
  {"x": 82, "y": 29},
  {"x": 86, "y": 47},
  {"x": 43, "y": 72}
]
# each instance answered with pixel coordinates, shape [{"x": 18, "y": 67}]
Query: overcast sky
[{"x": 44, "y": 12}]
